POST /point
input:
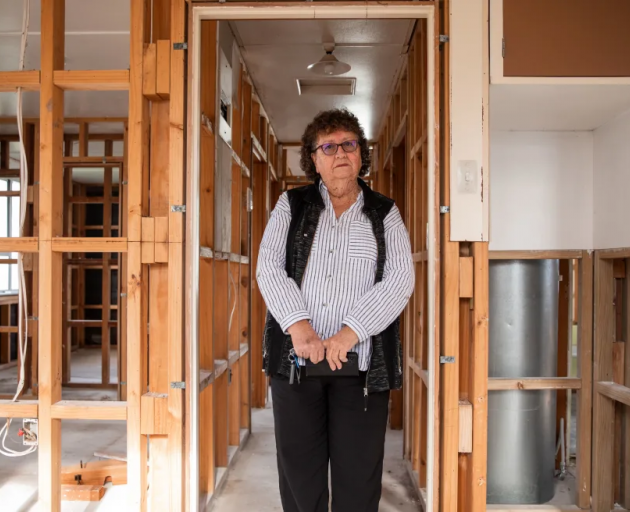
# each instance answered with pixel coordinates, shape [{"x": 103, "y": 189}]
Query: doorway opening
[{"x": 251, "y": 96}]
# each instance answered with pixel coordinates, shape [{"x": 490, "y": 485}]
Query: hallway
[{"x": 252, "y": 483}]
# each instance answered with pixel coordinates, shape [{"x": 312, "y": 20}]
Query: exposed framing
[{"x": 328, "y": 10}]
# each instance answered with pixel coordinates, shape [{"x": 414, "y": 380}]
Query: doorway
[{"x": 233, "y": 183}]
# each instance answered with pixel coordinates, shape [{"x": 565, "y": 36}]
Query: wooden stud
[
  {"x": 531, "y": 383},
  {"x": 585, "y": 368},
  {"x": 50, "y": 225},
  {"x": 176, "y": 180},
  {"x": 477, "y": 484},
  {"x": 603, "y": 405}
]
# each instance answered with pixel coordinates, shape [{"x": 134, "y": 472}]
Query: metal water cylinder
[{"x": 523, "y": 343}]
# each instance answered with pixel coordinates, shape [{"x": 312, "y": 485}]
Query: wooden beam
[
  {"x": 50, "y": 225},
  {"x": 585, "y": 371},
  {"x": 615, "y": 392},
  {"x": 102, "y": 80},
  {"x": 89, "y": 410},
  {"x": 465, "y": 426},
  {"x": 90, "y": 244},
  {"x": 74, "y": 492},
  {"x": 20, "y": 409},
  {"x": 23, "y": 244},
  {"x": 27, "y": 80},
  {"x": 603, "y": 405},
  {"x": 535, "y": 255},
  {"x": 477, "y": 484},
  {"x": 176, "y": 181},
  {"x": 136, "y": 277},
  {"x": 531, "y": 383}
]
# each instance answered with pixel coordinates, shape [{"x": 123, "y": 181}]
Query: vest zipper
[{"x": 365, "y": 388}]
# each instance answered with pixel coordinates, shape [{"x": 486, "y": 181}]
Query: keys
[
  {"x": 295, "y": 367},
  {"x": 292, "y": 374}
]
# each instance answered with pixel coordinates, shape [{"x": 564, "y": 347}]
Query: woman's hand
[
  {"x": 337, "y": 347},
  {"x": 306, "y": 342}
]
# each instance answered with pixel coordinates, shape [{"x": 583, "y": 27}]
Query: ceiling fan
[{"x": 328, "y": 64}]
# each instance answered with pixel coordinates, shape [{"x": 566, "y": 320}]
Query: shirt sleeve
[
  {"x": 281, "y": 293},
  {"x": 385, "y": 301}
]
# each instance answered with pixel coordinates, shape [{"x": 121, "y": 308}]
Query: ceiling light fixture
[{"x": 328, "y": 64}]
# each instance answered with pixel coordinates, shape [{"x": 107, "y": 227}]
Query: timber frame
[{"x": 183, "y": 370}]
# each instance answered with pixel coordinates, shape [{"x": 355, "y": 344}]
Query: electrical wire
[{"x": 23, "y": 302}]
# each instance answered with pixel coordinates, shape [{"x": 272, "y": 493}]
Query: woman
[{"x": 335, "y": 270}]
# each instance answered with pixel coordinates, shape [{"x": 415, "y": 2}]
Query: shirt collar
[{"x": 328, "y": 203}]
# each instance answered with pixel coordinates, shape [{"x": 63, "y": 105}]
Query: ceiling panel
[{"x": 319, "y": 31}]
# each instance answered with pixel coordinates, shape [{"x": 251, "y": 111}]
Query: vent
[{"x": 326, "y": 86}]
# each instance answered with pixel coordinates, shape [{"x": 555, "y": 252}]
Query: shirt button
[
  {"x": 328, "y": 277},
  {"x": 331, "y": 251},
  {"x": 325, "y": 305}
]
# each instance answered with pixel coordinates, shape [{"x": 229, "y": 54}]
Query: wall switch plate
[{"x": 467, "y": 172}]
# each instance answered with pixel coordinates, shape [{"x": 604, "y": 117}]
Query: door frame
[{"x": 302, "y": 11}]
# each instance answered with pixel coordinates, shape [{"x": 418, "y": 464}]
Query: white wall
[
  {"x": 611, "y": 184},
  {"x": 541, "y": 190}
]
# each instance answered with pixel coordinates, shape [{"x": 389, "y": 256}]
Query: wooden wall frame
[{"x": 330, "y": 10}]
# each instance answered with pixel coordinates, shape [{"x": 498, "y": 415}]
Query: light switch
[{"x": 467, "y": 181}]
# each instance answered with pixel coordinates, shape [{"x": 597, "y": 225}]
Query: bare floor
[{"x": 252, "y": 484}]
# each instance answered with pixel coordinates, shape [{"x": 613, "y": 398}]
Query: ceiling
[
  {"x": 277, "y": 53},
  {"x": 556, "y": 107}
]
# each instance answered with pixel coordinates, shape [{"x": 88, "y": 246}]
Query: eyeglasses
[{"x": 330, "y": 148}]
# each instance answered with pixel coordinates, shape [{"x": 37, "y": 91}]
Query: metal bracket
[
  {"x": 445, "y": 209},
  {"x": 229, "y": 375},
  {"x": 180, "y": 46},
  {"x": 178, "y": 385},
  {"x": 447, "y": 359},
  {"x": 122, "y": 383},
  {"x": 503, "y": 48},
  {"x": 124, "y": 182},
  {"x": 123, "y": 294},
  {"x": 444, "y": 38},
  {"x": 178, "y": 208}
]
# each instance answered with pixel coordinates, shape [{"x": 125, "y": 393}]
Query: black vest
[{"x": 306, "y": 206}]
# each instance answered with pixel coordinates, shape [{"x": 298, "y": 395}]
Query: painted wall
[
  {"x": 541, "y": 190},
  {"x": 611, "y": 184}
]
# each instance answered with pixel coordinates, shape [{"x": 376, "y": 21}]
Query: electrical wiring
[{"x": 23, "y": 318}]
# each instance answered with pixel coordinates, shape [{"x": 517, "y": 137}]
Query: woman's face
[{"x": 345, "y": 163}]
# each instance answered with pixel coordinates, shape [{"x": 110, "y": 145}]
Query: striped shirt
[{"x": 338, "y": 286}]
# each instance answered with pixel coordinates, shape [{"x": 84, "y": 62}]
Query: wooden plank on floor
[{"x": 74, "y": 492}]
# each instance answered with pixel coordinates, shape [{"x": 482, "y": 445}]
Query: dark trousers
[{"x": 324, "y": 420}]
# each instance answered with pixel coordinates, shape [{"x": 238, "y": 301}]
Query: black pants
[{"x": 324, "y": 419}]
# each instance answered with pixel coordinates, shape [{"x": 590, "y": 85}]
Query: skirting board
[{"x": 222, "y": 473}]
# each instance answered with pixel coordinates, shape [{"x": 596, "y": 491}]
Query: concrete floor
[{"x": 252, "y": 484}]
